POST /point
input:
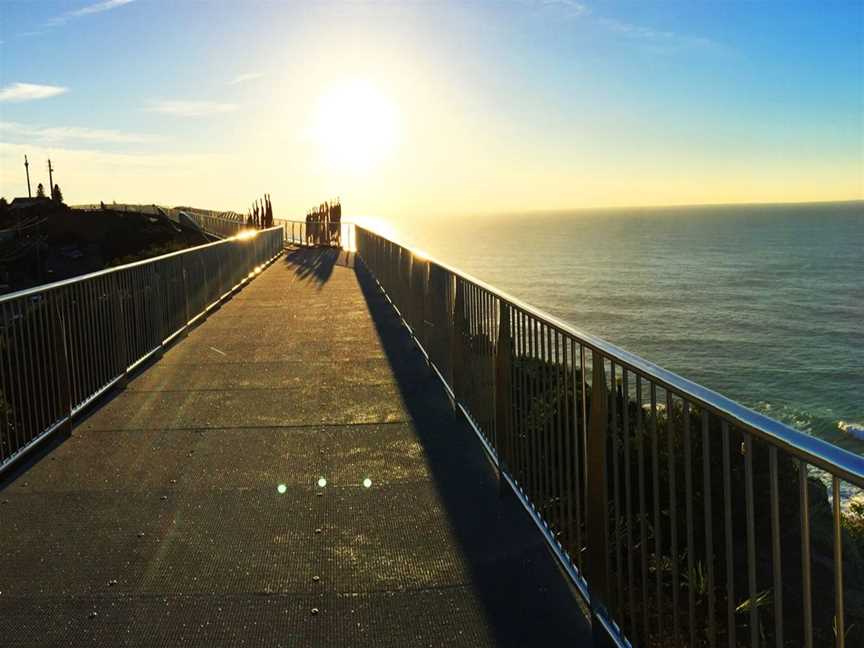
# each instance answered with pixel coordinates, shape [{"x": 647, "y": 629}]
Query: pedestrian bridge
[{"x": 267, "y": 444}]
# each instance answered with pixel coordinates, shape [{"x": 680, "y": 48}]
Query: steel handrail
[
  {"x": 813, "y": 449},
  {"x": 64, "y": 344},
  {"x": 90, "y": 275},
  {"x": 565, "y": 434}
]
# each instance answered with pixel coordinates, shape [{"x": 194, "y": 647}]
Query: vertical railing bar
[
  {"x": 776, "y": 556},
  {"x": 53, "y": 326},
  {"x": 66, "y": 298},
  {"x": 36, "y": 396},
  {"x": 535, "y": 464},
  {"x": 470, "y": 364},
  {"x": 577, "y": 457},
  {"x": 727, "y": 529},
  {"x": 109, "y": 342},
  {"x": 709, "y": 532},
  {"x": 23, "y": 362},
  {"x": 83, "y": 347},
  {"x": 477, "y": 352},
  {"x": 751, "y": 539},
  {"x": 19, "y": 389},
  {"x": 51, "y": 363},
  {"x": 129, "y": 313},
  {"x": 94, "y": 322},
  {"x": 492, "y": 333},
  {"x": 583, "y": 440},
  {"x": 490, "y": 369},
  {"x": 643, "y": 514},
  {"x": 688, "y": 494},
  {"x": 673, "y": 514},
  {"x": 543, "y": 423},
  {"x": 655, "y": 490},
  {"x": 38, "y": 367},
  {"x": 102, "y": 327},
  {"x": 16, "y": 393},
  {"x": 525, "y": 404},
  {"x": 628, "y": 503},
  {"x": 547, "y": 428},
  {"x": 6, "y": 429},
  {"x": 519, "y": 407},
  {"x": 839, "y": 611},
  {"x": 616, "y": 491},
  {"x": 567, "y": 491},
  {"x": 560, "y": 399},
  {"x": 31, "y": 405}
]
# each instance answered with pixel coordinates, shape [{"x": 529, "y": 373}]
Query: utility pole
[
  {"x": 50, "y": 179},
  {"x": 27, "y": 170}
]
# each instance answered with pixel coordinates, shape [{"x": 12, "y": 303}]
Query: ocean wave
[{"x": 852, "y": 429}]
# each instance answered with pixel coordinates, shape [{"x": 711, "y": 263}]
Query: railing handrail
[
  {"x": 814, "y": 450},
  {"x": 105, "y": 271},
  {"x": 303, "y": 222}
]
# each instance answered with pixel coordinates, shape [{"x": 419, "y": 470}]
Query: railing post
[
  {"x": 597, "y": 512},
  {"x": 61, "y": 346},
  {"x": 457, "y": 342},
  {"x": 503, "y": 394},
  {"x": 120, "y": 334},
  {"x": 425, "y": 309},
  {"x": 185, "y": 296}
]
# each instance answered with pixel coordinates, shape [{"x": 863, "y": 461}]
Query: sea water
[{"x": 762, "y": 303}]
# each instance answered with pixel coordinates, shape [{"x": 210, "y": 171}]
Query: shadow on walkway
[
  {"x": 524, "y": 595},
  {"x": 316, "y": 263}
]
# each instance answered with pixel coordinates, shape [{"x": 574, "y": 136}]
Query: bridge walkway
[{"x": 187, "y": 509}]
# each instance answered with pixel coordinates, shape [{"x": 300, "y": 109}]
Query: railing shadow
[
  {"x": 525, "y": 597},
  {"x": 317, "y": 263}
]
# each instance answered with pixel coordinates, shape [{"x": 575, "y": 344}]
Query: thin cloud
[
  {"x": 15, "y": 92},
  {"x": 658, "y": 37},
  {"x": 75, "y": 133},
  {"x": 190, "y": 108},
  {"x": 99, "y": 7},
  {"x": 243, "y": 78},
  {"x": 95, "y": 8},
  {"x": 571, "y": 7}
]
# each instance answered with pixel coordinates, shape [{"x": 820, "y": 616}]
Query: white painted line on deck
[{"x": 218, "y": 351}]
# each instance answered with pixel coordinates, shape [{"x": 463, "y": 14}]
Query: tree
[
  {"x": 40, "y": 191},
  {"x": 56, "y": 194}
]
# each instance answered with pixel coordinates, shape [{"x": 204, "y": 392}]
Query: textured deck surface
[{"x": 160, "y": 521}]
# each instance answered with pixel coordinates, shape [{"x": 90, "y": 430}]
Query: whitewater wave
[{"x": 852, "y": 429}]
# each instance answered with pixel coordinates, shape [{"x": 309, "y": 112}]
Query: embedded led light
[
  {"x": 367, "y": 483},
  {"x": 281, "y": 488},
  {"x": 322, "y": 482}
]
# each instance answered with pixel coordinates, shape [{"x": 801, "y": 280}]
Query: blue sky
[{"x": 489, "y": 105}]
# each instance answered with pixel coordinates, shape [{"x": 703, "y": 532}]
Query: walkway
[{"x": 187, "y": 510}]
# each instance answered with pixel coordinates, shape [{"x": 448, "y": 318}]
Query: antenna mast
[
  {"x": 27, "y": 170},
  {"x": 50, "y": 179}
]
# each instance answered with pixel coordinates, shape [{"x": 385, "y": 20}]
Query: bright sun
[{"x": 355, "y": 127}]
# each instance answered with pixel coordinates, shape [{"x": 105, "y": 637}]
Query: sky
[{"x": 409, "y": 109}]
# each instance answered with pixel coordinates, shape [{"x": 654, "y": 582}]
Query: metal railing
[
  {"x": 226, "y": 224},
  {"x": 318, "y": 234},
  {"x": 64, "y": 344},
  {"x": 682, "y": 517}
]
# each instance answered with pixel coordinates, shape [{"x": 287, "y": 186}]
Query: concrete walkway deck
[{"x": 162, "y": 520}]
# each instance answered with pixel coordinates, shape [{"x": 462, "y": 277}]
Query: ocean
[{"x": 762, "y": 303}]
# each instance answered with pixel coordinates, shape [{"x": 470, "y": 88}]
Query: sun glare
[{"x": 355, "y": 127}]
